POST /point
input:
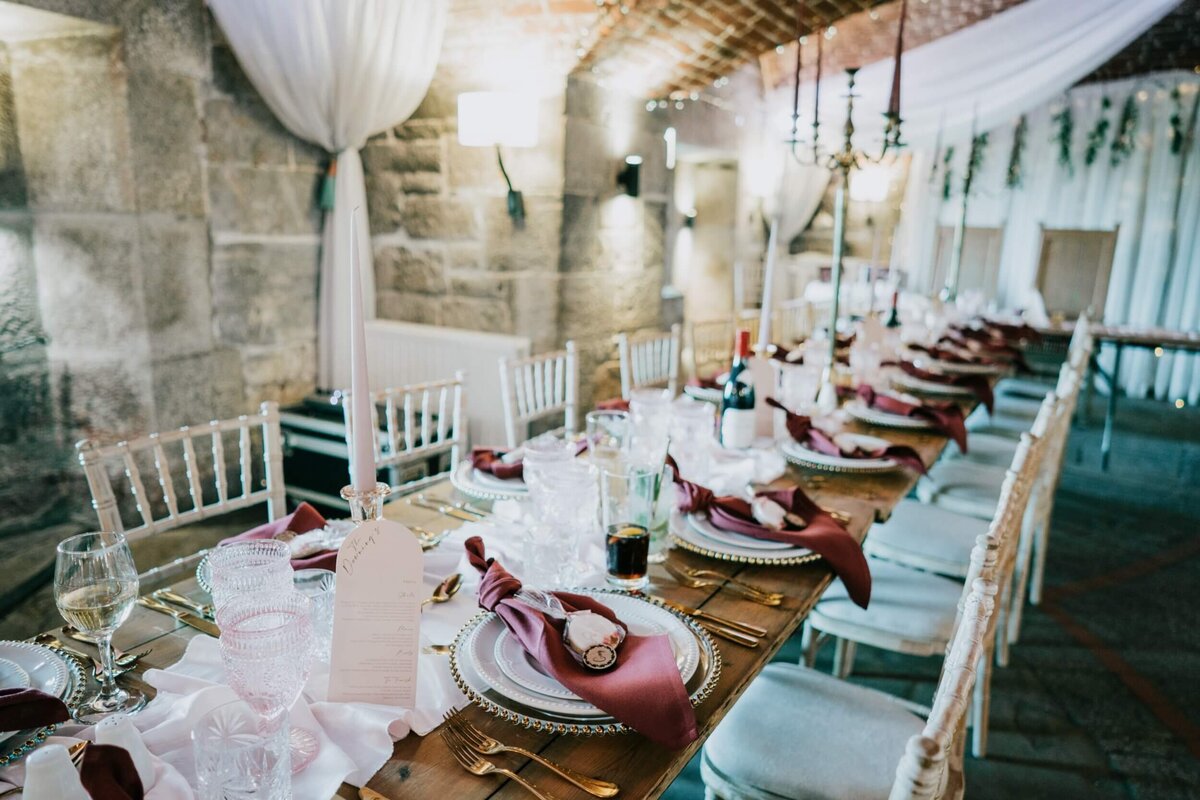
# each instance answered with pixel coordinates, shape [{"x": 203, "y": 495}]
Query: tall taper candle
[
  {"x": 362, "y": 471},
  {"x": 764, "y": 314}
]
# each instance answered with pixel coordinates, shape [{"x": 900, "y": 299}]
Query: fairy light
[
  {"x": 1179, "y": 403},
  {"x": 1158, "y": 352}
]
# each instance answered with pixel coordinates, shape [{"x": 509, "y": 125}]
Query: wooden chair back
[
  {"x": 1074, "y": 267},
  {"x": 709, "y": 347},
  {"x": 538, "y": 387},
  {"x": 649, "y": 359},
  {"x": 421, "y": 421}
]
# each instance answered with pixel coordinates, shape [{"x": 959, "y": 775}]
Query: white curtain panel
[
  {"x": 336, "y": 72},
  {"x": 1152, "y": 194}
]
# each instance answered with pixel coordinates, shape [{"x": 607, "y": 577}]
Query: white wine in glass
[{"x": 95, "y": 587}]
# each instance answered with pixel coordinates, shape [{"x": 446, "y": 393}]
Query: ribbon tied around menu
[
  {"x": 804, "y": 432},
  {"x": 305, "y": 519},
  {"x": 946, "y": 418},
  {"x": 642, "y": 690},
  {"x": 803, "y": 524}
]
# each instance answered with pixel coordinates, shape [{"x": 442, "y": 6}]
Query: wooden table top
[
  {"x": 1133, "y": 335},
  {"x": 422, "y": 767}
]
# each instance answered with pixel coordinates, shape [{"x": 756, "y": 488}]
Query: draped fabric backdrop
[
  {"x": 1152, "y": 193},
  {"x": 335, "y": 72}
]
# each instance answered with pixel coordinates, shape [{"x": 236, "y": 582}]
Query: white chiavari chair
[
  {"x": 209, "y": 490},
  {"x": 539, "y": 387},
  {"x": 649, "y": 359},
  {"x": 709, "y": 347},
  {"x": 421, "y": 422},
  {"x": 793, "y": 322},
  {"x": 847, "y": 741}
]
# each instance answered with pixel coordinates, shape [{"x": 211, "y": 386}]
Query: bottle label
[{"x": 737, "y": 427}]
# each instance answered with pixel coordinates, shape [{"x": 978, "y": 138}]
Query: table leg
[{"x": 1111, "y": 414}]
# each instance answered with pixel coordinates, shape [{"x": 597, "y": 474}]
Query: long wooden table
[{"x": 422, "y": 767}]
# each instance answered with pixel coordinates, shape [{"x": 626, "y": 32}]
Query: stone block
[
  {"x": 264, "y": 294},
  {"x": 61, "y": 88},
  {"x": 12, "y": 173},
  {"x": 228, "y": 76},
  {"x": 404, "y": 269},
  {"x": 169, "y": 36},
  {"x": 179, "y": 308},
  {"x": 285, "y": 374},
  {"x": 487, "y": 286},
  {"x": 637, "y": 301},
  {"x": 420, "y": 129},
  {"x": 106, "y": 398},
  {"x": 439, "y": 102},
  {"x": 535, "y": 305},
  {"x": 620, "y": 249},
  {"x": 465, "y": 256},
  {"x": 406, "y": 307},
  {"x": 403, "y": 156},
  {"x": 654, "y": 231},
  {"x": 167, "y": 141},
  {"x": 250, "y": 200},
  {"x": 244, "y": 132},
  {"x": 470, "y": 313},
  {"x": 421, "y": 182},
  {"x": 428, "y": 217},
  {"x": 193, "y": 389},
  {"x": 20, "y": 318},
  {"x": 585, "y": 305},
  {"x": 580, "y": 221},
  {"x": 531, "y": 246},
  {"x": 590, "y": 167},
  {"x": 384, "y": 195}
]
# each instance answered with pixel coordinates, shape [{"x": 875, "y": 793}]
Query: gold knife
[
  {"x": 169, "y": 596},
  {"x": 189, "y": 619},
  {"x": 729, "y": 633},
  {"x": 744, "y": 627},
  {"x": 448, "y": 511}
]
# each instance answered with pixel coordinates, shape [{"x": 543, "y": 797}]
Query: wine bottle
[
  {"x": 893, "y": 320},
  {"x": 737, "y": 400}
]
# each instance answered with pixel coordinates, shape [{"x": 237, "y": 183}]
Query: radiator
[{"x": 400, "y": 353}]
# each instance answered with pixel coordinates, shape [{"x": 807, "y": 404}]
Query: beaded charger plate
[
  {"x": 958, "y": 368},
  {"x": 47, "y": 669},
  {"x": 498, "y": 703},
  {"x": 483, "y": 486},
  {"x": 691, "y": 532},
  {"x": 928, "y": 387},
  {"x": 873, "y": 416}
]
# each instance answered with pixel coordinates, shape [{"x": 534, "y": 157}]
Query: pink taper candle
[{"x": 362, "y": 470}]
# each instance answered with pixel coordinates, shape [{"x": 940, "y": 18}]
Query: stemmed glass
[
  {"x": 95, "y": 586},
  {"x": 267, "y": 650},
  {"x": 241, "y": 568}
]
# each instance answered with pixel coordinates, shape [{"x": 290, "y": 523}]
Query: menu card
[{"x": 377, "y": 616}]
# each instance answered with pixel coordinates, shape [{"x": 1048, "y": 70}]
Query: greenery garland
[
  {"x": 1099, "y": 131},
  {"x": 1122, "y": 144},
  {"x": 947, "y": 171},
  {"x": 1177, "y": 121},
  {"x": 975, "y": 160},
  {"x": 1066, "y": 128},
  {"x": 1013, "y": 180}
]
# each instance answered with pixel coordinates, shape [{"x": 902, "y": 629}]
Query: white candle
[
  {"x": 764, "y": 319},
  {"x": 362, "y": 469}
]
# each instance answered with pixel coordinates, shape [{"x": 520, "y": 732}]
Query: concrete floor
[{"x": 1102, "y": 696}]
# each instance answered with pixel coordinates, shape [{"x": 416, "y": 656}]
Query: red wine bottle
[{"x": 737, "y": 400}]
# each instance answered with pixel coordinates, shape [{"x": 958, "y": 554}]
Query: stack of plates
[
  {"x": 33, "y": 666},
  {"x": 496, "y": 673},
  {"x": 873, "y": 416},
  {"x": 697, "y": 533},
  {"x": 806, "y": 457},
  {"x": 912, "y": 384},
  {"x": 485, "y": 485},
  {"x": 958, "y": 368}
]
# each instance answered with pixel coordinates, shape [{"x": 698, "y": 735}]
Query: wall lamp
[
  {"x": 689, "y": 218},
  {"x": 496, "y": 119},
  {"x": 629, "y": 178}
]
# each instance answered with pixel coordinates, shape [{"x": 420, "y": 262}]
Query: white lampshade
[{"x": 487, "y": 119}]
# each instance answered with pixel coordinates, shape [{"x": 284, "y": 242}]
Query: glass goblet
[
  {"x": 267, "y": 650},
  {"x": 319, "y": 586},
  {"x": 242, "y": 568},
  {"x": 235, "y": 758},
  {"x": 95, "y": 587}
]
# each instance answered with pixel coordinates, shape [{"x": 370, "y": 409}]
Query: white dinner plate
[
  {"x": 799, "y": 454},
  {"x": 928, "y": 387},
  {"x": 26, "y": 665},
  {"x": 864, "y": 413},
  {"x": 685, "y": 535},
  {"x": 705, "y": 527},
  {"x": 484, "y": 485},
  {"x": 480, "y": 648},
  {"x": 13, "y": 675},
  {"x": 507, "y": 484}
]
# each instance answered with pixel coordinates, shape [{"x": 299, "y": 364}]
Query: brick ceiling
[{"x": 1172, "y": 43}]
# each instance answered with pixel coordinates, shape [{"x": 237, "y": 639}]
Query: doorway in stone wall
[{"x": 706, "y": 200}]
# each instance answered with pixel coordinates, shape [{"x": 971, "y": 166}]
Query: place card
[{"x": 377, "y": 616}]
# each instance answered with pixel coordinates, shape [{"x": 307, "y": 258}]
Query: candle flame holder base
[{"x": 366, "y": 506}]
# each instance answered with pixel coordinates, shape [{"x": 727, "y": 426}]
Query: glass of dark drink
[
  {"x": 627, "y": 500},
  {"x": 628, "y": 548}
]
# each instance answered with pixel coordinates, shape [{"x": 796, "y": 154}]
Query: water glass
[
  {"x": 632, "y": 496},
  {"x": 608, "y": 434},
  {"x": 864, "y": 362},
  {"x": 95, "y": 587},
  {"x": 319, "y": 586},
  {"x": 243, "y": 568},
  {"x": 542, "y": 455},
  {"x": 651, "y": 418},
  {"x": 235, "y": 757},
  {"x": 691, "y": 428},
  {"x": 564, "y": 512}
]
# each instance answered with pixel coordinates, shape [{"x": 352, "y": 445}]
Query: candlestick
[
  {"x": 362, "y": 473},
  {"x": 816, "y": 123},
  {"x": 764, "y": 314},
  {"x": 796, "y": 82},
  {"x": 894, "y": 102}
]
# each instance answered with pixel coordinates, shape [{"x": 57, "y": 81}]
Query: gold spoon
[{"x": 445, "y": 590}]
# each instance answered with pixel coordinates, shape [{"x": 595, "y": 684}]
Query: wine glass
[
  {"x": 95, "y": 586},
  {"x": 267, "y": 648}
]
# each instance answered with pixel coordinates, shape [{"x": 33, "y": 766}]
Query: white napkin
[
  {"x": 729, "y": 471},
  {"x": 166, "y": 784}
]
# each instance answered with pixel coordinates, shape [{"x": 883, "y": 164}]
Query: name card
[{"x": 377, "y": 616}]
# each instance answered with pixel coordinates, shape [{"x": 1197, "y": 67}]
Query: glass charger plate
[
  {"x": 798, "y": 454},
  {"x": 469, "y": 481},
  {"x": 873, "y": 416},
  {"x": 928, "y": 387},
  {"x": 482, "y": 694},
  {"x": 46, "y": 668},
  {"x": 684, "y": 535}
]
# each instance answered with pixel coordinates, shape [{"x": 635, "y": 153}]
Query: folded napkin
[
  {"x": 807, "y": 434},
  {"x": 822, "y": 534},
  {"x": 614, "y": 404},
  {"x": 30, "y": 708},
  {"x": 644, "y": 690},
  {"x": 978, "y": 385},
  {"x": 1011, "y": 332},
  {"x": 489, "y": 459},
  {"x": 960, "y": 356},
  {"x": 304, "y": 519},
  {"x": 947, "y": 418},
  {"x": 108, "y": 773}
]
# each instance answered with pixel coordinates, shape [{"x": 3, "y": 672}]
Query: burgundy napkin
[
  {"x": 643, "y": 690},
  {"x": 1012, "y": 332},
  {"x": 488, "y": 459},
  {"x": 30, "y": 708},
  {"x": 804, "y": 432},
  {"x": 947, "y": 418},
  {"x": 822, "y": 535},
  {"x": 108, "y": 773},
  {"x": 304, "y": 519},
  {"x": 615, "y": 404},
  {"x": 978, "y": 385},
  {"x": 953, "y": 356}
]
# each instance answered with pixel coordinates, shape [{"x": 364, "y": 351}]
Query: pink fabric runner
[
  {"x": 947, "y": 418},
  {"x": 304, "y": 519},
  {"x": 804, "y": 432},
  {"x": 644, "y": 690}
]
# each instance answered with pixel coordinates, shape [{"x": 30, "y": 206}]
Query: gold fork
[
  {"x": 480, "y": 766},
  {"x": 692, "y": 572},
  {"x": 477, "y": 740},
  {"x": 704, "y": 583},
  {"x": 75, "y": 751}
]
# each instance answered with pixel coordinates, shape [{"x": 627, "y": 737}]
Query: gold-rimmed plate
[{"x": 686, "y": 536}]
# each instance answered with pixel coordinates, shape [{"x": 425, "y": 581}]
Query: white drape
[
  {"x": 335, "y": 72},
  {"x": 1153, "y": 194}
]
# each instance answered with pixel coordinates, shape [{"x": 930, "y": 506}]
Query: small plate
[
  {"x": 484, "y": 485},
  {"x": 684, "y": 535},
  {"x": 705, "y": 527},
  {"x": 504, "y": 484},
  {"x": 928, "y": 387},
  {"x": 873, "y": 416},
  {"x": 13, "y": 675},
  {"x": 801, "y": 455}
]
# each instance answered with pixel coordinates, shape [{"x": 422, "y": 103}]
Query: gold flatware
[
  {"x": 692, "y": 572},
  {"x": 705, "y": 583},
  {"x": 428, "y": 538},
  {"x": 729, "y": 634},
  {"x": 120, "y": 657},
  {"x": 436, "y": 649},
  {"x": 122, "y": 660},
  {"x": 187, "y": 618},
  {"x": 445, "y": 590},
  {"x": 203, "y": 609},
  {"x": 460, "y": 505},
  {"x": 481, "y": 742},
  {"x": 472, "y": 763},
  {"x": 444, "y": 510},
  {"x": 744, "y": 627}
]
